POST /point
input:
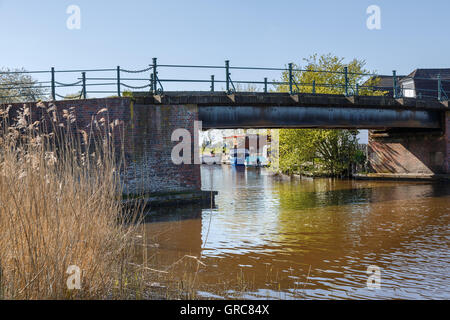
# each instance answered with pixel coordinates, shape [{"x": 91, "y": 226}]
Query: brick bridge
[{"x": 408, "y": 136}]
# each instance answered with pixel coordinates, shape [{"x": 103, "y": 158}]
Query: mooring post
[
  {"x": 83, "y": 76},
  {"x": 53, "y": 85},
  {"x": 346, "y": 80},
  {"x": 118, "y": 81},
  {"x": 394, "y": 77},
  {"x": 155, "y": 74},
  {"x": 227, "y": 75},
  {"x": 212, "y": 83},
  {"x": 290, "y": 77}
]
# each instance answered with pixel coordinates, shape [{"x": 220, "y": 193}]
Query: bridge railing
[{"x": 155, "y": 79}]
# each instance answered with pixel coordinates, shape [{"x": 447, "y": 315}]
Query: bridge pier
[
  {"x": 411, "y": 151},
  {"x": 143, "y": 139},
  {"x": 150, "y": 169}
]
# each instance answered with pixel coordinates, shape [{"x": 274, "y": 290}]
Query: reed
[{"x": 59, "y": 207}]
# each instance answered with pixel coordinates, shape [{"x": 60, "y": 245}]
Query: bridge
[
  {"x": 283, "y": 110},
  {"x": 408, "y": 136}
]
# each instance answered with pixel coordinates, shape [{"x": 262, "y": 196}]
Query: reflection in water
[{"x": 311, "y": 238}]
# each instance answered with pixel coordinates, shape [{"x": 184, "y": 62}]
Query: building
[
  {"x": 424, "y": 83},
  {"x": 421, "y": 83},
  {"x": 382, "y": 83}
]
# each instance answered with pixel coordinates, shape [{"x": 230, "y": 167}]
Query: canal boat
[{"x": 238, "y": 157}]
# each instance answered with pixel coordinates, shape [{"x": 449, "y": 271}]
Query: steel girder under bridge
[{"x": 283, "y": 110}]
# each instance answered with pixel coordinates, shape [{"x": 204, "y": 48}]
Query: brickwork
[
  {"x": 409, "y": 152},
  {"x": 142, "y": 134},
  {"x": 149, "y": 157},
  {"x": 447, "y": 139}
]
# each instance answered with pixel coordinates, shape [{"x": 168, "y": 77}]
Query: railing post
[
  {"x": 227, "y": 74},
  {"x": 155, "y": 74},
  {"x": 439, "y": 87},
  {"x": 357, "y": 89},
  {"x": 290, "y": 77},
  {"x": 314, "y": 87},
  {"x": 118, "y": 81},
  {"x": 265, "y": 85},
  {"x": 212, "y": 83},
  {"x": 83, "y": 76},
  {"x": 394, "y": 77},
  {"x": 346, "y": 80},
  {"x": 53, "y": 85},
  {"x": 151, "y": 82}
]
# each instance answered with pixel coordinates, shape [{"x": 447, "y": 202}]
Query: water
[{"x": 274, "y": 238}]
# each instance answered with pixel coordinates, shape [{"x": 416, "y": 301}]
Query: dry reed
[{"x": 59, "y": 207}]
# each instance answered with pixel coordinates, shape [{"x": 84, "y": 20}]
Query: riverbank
[
  {"x": 375, "y": 176},
  {"x": 171, "y": 199},
  {"x": 402, "y": 177},
  {"x": 308, "y": 176}
]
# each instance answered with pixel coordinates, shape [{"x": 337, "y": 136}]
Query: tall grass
[{"x": 59, "y": 207}]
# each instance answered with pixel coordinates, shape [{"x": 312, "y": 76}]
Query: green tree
[
  {"x": 17, "y": 86},
  {"x": 334, "y": 150}
]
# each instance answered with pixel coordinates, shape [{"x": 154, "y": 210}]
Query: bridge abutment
[
  {"x": 143, "y": 139},
  {"x": 150, "y": 169},
  {"x": 410, "y": 151}
]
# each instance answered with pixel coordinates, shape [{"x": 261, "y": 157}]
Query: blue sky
[{"x": 248, "y": 32}]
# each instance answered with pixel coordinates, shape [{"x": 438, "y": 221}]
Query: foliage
[
  {"x": 332, "y": 150},
  {"x": 127, "y": 94},
  {"x": 17, "y": 86},
  {"x": 73, "y": 96}
]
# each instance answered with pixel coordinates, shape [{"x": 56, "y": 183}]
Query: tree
[
  {"x": 335, "y": 149},
  {"x": 17, "y": 86}
]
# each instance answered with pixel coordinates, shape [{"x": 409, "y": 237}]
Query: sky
[
  {"x": 260, "y": 33},
  {"x": 247, "y": 32}
]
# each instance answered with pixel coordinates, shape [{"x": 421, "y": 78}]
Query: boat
[{"x": 238, "y": 157}]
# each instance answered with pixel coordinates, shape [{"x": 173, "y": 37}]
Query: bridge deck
[
  {"x": 283, "y": 110},
  {"x": 285, "y": 99}
]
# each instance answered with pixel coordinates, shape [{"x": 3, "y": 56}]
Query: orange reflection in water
[{"x": 275, "y": 238}]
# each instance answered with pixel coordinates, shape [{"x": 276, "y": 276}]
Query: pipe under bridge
[{"x": 283, "y": 110}]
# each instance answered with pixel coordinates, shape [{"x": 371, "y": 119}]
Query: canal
[{"x": 274, "y": 238}]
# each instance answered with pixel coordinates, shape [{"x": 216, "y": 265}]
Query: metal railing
[{"x": 117, "y": 81}]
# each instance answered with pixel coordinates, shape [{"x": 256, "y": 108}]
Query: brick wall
[
  {"x": 409, "y": 152},
  {"x": 144, "y": 131},
  {"x": 149, "y": 156},
  {"x": 447, "y": 138}
]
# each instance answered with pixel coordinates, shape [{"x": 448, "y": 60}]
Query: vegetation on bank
[
  {"x": 59, "y": 208},
  {"x": 322, "y": 152},
  {"x": 319, "y": 152}
]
